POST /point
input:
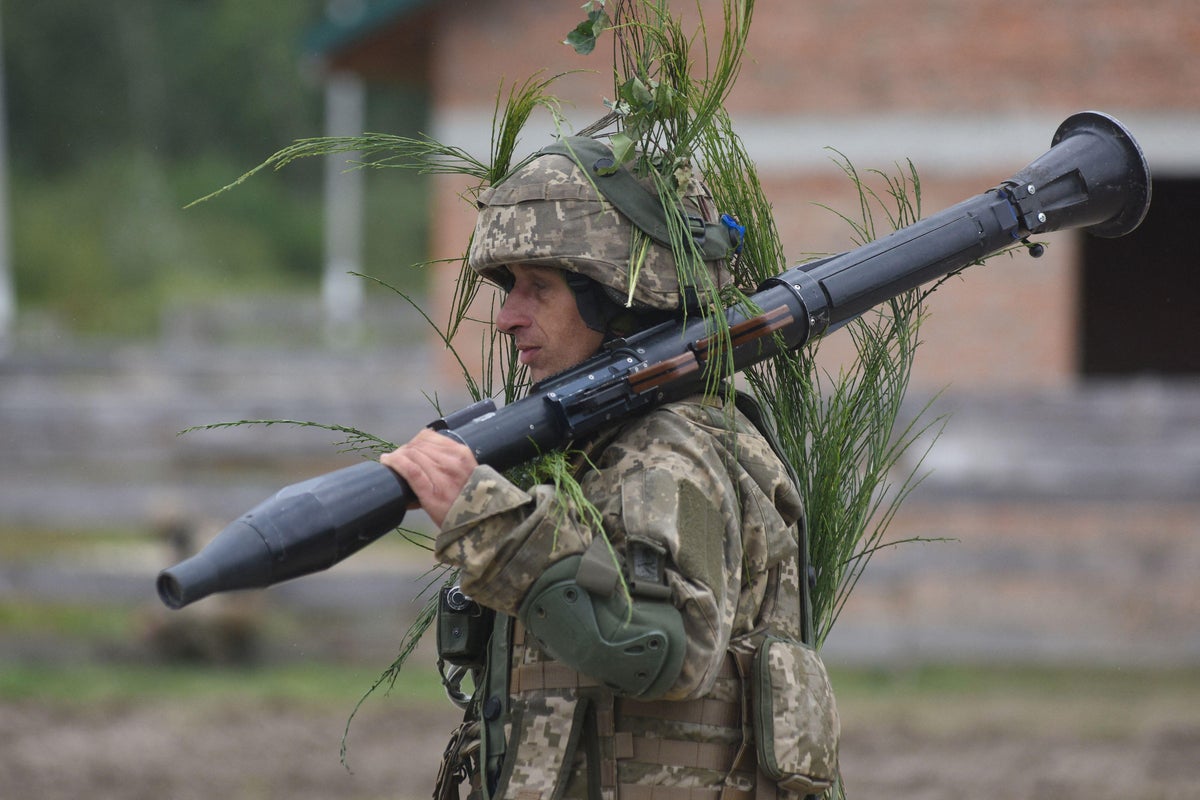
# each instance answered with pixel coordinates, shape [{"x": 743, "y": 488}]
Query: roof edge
[{"x": 357, "y": 21}]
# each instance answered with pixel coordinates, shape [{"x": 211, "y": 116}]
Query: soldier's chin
[{"x": 539, "y": 376}]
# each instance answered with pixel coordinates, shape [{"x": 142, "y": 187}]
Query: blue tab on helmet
[{"x": 737, "y": 232}]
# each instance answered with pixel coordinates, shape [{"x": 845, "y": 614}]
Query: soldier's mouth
[{"x": 526, "y": 355}]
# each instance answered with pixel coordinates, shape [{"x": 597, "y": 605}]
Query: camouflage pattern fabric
[
  {"x": 697, "y": 479},
  {"x": 546, "y": 727},
  {"x": 548, "y": 213}
]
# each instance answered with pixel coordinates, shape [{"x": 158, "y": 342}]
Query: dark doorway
[{"x": 1141, "y": 292}]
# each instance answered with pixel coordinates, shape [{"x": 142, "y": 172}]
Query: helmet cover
[{"x": 549, "y": 213}]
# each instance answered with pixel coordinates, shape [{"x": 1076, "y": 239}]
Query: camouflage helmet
[{"x": 550, "y": 213}]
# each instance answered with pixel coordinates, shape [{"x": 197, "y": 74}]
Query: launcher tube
[{"x": 1093, "y": 177}]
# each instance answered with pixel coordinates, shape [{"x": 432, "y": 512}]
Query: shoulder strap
[
  {"x": 493, "y": 702},
  {"x": 749, "y": 406}
]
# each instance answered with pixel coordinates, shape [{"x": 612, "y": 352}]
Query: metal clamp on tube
[
  {"x": 809, "y": 292},
  {"x": 1028, "y": 208}
]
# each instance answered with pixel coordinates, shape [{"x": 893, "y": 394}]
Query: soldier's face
[{"x": 541, "y": 316}]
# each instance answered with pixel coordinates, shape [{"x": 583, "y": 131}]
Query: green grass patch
[
  {"x": 23, "y": 544},
  {"x": 1090, "y": 701},
  {"x": 948, "y": 680},
  {"x": 307, "y": 684},
  {"x": 88, "y": 623},
  {"x": 933, "y": 697}
]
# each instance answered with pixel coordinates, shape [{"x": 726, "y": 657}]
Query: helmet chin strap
[
  {"x": 595, "y": 307},
  {"x": 601, "y": 313}
]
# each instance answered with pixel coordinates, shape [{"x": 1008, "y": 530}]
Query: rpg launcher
[{"x": 1094, "y": 176}]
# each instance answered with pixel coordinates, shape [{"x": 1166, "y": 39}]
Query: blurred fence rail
[
  {"x": 1074, "y": 513},
  {"x": 92, "y": 439}
]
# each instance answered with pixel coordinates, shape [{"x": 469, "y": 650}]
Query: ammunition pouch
[{"x": 796, "y": 724}]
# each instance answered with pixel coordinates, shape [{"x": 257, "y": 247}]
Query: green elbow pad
[{"x": 638, "y": 652}]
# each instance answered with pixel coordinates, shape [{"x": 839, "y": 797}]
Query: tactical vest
[{"x": 536, "y": 729}]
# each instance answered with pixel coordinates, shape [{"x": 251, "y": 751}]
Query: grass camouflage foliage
[{"x": 844, "y": 432}]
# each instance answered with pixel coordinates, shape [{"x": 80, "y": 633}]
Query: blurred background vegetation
[{"x": 120, "y": 114}]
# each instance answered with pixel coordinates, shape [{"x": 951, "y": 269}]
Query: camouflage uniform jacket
[{"x": 700, "y": 482}]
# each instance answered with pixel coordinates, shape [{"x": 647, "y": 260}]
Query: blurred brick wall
[
  {"x": 869, "y": 67},
  {"x": 961, "y": 56},
  {"x": 854, "y": 55}
]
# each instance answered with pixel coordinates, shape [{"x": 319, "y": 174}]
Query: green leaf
[
  {"x": 636, "y": 93},
  {"x": 622, "y": 148},
  {"x": 583, "y": 37},
  {"x": 666, "y": 99}
]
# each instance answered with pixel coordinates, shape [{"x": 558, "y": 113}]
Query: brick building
[{"x": 1071, "y": 460}]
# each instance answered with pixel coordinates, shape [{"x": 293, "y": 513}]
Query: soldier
[{"x": 626, "y": 622}]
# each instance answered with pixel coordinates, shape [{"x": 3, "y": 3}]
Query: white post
[
  {"x": 8, "y": 295},
  {"x": 342, "y": 293}
]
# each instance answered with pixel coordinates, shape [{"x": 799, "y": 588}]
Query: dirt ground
[
  {"x": 248, "y": 751},
  {"x": 1024, "y": 733}
]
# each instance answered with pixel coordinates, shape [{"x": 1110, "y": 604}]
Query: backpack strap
[{"x": 749, "y": 406}]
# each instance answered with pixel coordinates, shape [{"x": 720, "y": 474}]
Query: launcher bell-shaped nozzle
[
  {"x": 239, "y": 558},
  {"x": 1094, "y": 176}
]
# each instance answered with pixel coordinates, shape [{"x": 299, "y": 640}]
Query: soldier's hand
[{"x": 435, "y": 467}]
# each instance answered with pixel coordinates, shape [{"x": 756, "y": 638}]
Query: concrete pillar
[
  {"x": 341, "y": 292},
  {"x": 8, "y": 295}
]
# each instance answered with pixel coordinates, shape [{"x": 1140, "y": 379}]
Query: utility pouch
[
  {"x": 463, "y": 628},
  {"x": 796, "y": 725}
]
